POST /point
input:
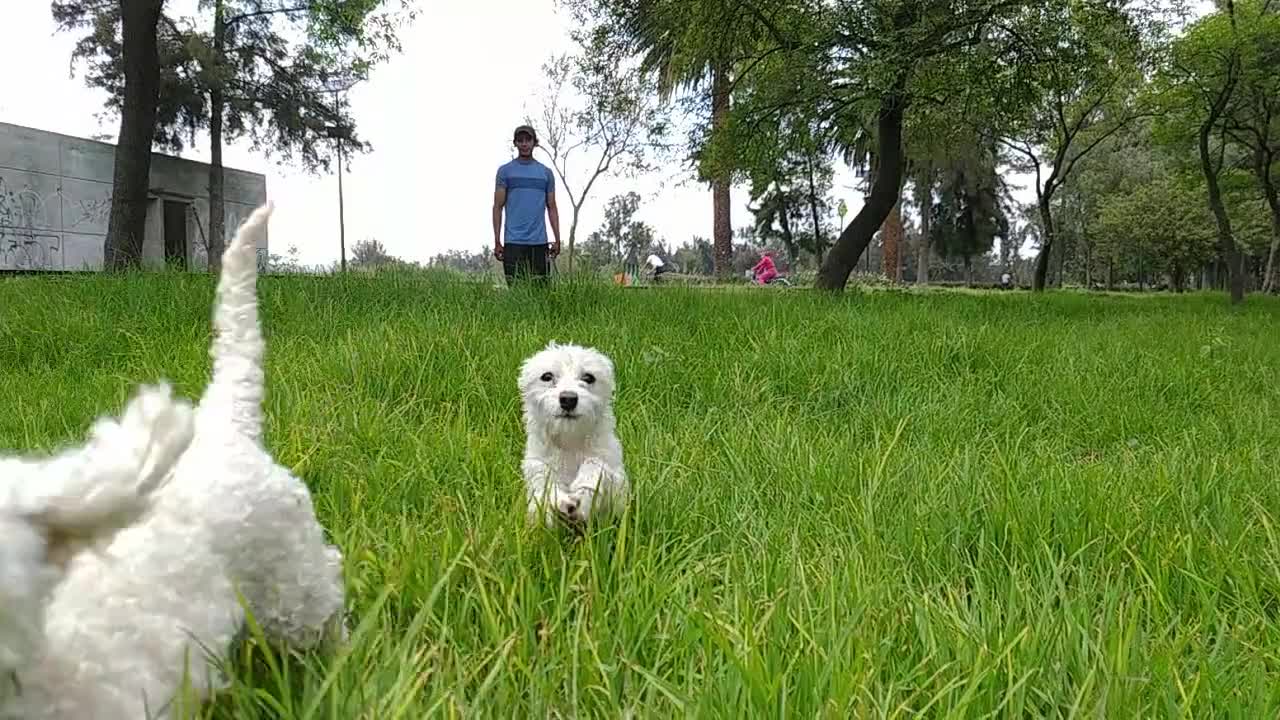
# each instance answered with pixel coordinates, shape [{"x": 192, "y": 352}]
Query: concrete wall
[{"x": 55, "y": 196}]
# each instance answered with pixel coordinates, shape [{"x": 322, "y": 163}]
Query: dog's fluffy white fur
[
  {"x": 55, "y": 506},
  {"x": 573, "y": 468},
  {"x": 126, "y": 625}
]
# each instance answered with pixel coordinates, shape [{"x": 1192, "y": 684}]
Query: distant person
[
  {"x": 765, "y": 271},
  {"x": 658, "y": 266},
  {"x": 526, "y": 192},
  {"x": 1006, "y": 280}
]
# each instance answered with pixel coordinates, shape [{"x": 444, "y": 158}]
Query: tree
[
  {"x": 372, "y": 253},
  {"x": 129, "y": 29},
  {"x": 968, "y": 217},
  {"x": 696, "y": 257},
  {"x": 1197, "y": 84},
  {"x": 923, "y": 182},
  {"x": 693, "y": 45},
  {"x": 1086, "y": 64},
  {"x": 626, "y": 235},
  {"x": 859, "y": 71},
  {"x": 790, "y": 176},
  {"x": 243, "y": 76},
  {"x": 1252, "y": 119},
  {"x": 1180, "y": 242},
  {"x": 470, "y": 263},
  {"x": 618, "y": 123}
]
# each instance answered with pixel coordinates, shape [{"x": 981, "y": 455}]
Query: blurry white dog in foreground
[
  {"x": 127, "y": 625},
  {"x": 572, "y": 465},
  {"x": 55, "y": 506}
]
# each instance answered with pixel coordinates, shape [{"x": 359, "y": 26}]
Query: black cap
[{"x": 525, "y": 129}]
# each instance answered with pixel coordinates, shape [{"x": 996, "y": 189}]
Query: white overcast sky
[{"x": 439, "y": 116}]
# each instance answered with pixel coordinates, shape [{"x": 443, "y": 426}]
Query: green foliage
[
  {"x": 273, "y": 63},
  {"x": 790, "y": 202},
  {"x": 1201, "y": 63},
  {"x": 370, "y": 252},
  {"x": 617, "y": 128},
  {"x": 1165, "y": 220},
  {"x": 696, "y": 257},
  {"x": 1045, "y": 504},
  {"x": 625, "y": 236},
  {"x": 968, "y": 216},
  {"x": 477, "y": 262}
]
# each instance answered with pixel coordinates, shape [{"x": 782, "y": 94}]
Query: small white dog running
[
  {"x": 572, "y": 466},
  {"x": 128, "y": 624}
]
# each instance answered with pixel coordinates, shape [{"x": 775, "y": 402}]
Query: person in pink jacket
[{"x": 765, "y": 271}]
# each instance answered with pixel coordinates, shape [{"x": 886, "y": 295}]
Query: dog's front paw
[
  {"x": 575, "y": 507},
  {"x": 569, "y": 508}
]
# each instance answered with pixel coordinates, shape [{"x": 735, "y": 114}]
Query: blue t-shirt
[{"x": 527, "y": 184}]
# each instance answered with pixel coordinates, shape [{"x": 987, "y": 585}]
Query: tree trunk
[
  {"x": 843, "y": 257},
  {"x": 1066, "y": 252},
  {"x": 1235, "y": 260},
  {"x": 573, "y": 232},
  {"x": 1088, "y": 266},
  {"x": 1262, "y": 169},
  {"x": 1226, "y": 241},
  {"x": 1269, "y": 284},
  {"x": 1046, "y": 246},
  {"x": 787, "y": 238},
  {"x": 722, "y": 227},
  {"x": 217, "y": 108},
  {"x": 924, "y": 198},
  {"x": 131, "y": 176},
  {"x": 968, "y": 271},
  {"x": 891, "y": 231},
  {"x": 818, "y": 240}
]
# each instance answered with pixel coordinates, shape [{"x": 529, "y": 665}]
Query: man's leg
[
  {"x": 509, "y": 263},
  {"x": 539, "y": 264},
  {"x": 515, "y": 262}
]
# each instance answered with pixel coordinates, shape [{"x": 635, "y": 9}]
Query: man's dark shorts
[{"x": 525, "y": 261}]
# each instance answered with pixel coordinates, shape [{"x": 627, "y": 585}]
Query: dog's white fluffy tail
[
  {"x": 235, "y": 392},
  {"x": 105, "y": 484},
  {"x": 52, "y": 508}
]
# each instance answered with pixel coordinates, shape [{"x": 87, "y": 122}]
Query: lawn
[{"x": 882, "y": 505}]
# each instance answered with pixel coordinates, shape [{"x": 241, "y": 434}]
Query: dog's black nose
[{"x": 568, "y": 400}]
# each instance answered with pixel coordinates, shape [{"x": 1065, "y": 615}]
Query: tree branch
[
  {"x": 1071, "y": 163},
  {"x": 263, "y": 11}
]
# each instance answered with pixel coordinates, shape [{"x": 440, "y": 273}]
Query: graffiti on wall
[
  {"x": 32, "y": 225},
  {"x": 27, "y": 238}
]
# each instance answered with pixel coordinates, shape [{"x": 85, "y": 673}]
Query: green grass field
[{"x": 882, "y": 505}]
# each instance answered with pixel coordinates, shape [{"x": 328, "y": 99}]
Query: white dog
[
  {"x": 52, "y": 507},
  {"x": 572, "y": 465},
  {"x": 128, "y": 625}
]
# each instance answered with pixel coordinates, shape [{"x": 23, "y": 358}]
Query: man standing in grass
[{"x": 525, "y": 190}]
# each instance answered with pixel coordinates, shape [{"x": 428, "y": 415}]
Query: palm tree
[{"x": 691, "y": 44}]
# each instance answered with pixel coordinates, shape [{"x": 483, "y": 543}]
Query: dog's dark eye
[
  {"x": 546, "y": 377},
  {"x": 588, "y": 378}
]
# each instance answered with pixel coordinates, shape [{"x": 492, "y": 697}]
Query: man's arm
[
  {"x": 499, "y": 202},
  {"x": 553, "y": 213}
]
